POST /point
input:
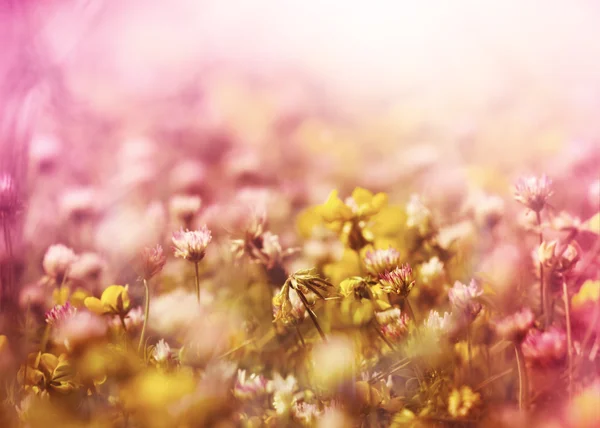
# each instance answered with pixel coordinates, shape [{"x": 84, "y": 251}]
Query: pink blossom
[
  {"x": 533, "y": 192},
  {"x": 191, "y": 245},
  {"x": 380, "y": 261}
]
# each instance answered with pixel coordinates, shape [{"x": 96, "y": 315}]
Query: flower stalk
[
  {"x": 569, "y": 336},
  {"x": 146, "y": 314}
]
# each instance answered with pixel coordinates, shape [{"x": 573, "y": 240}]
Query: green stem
[
  {"x": 410, "y": 310},
  {"x": 197, "y": 282},
  {"x": 569, "y": 338},
  {"x": 523, "y": 381},
  {"x": 146, "y": 314},
  {"x": 469, "y": 351}
]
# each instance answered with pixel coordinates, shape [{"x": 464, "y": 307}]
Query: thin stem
[
  {"x": 311, "y": 314},
  {"x": 122, "y": 318},
  {"x": 543, "y": 291},
  {"x": 300, "y": 336},
  {"x": 523, "y": 381},
  {"x": 382, "y": 336},
  {"x": 410, "y": 310},
  {"x": 469, "y": 351},
  {"x": 197, "y": 282},
  {"x": 146, "y": 314},
  {"x": 569, "y": 338}
]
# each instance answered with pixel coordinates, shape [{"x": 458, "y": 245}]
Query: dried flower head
[
  {"x": 380, "y": 261},
  {"x": 60, "y": 313},
  {"x": 398, "y": 281},
  {"x": 545, "y": 348},
  {"x": 249, "y": 387},
  {"x": 57, "y": 261},
  {"x": 191, "y": 245},
  {"x": 153, "y": 260},
  {"x": 533, "y": 192},
  {"x": 515, "y": 326}
]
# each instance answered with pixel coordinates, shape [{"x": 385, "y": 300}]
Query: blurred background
[{"x": 110, "y": 107}]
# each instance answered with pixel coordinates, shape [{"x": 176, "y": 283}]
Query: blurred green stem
[
  {"x": 523, "y": 381},
  {"x": 569, "y": 338},
  {"x": 146, "y": 314},
  {"x": 197, "y": 281}
]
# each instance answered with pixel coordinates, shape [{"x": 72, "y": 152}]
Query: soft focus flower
[
  {"x": 153, "y": 260},
  {"x": 60, "y": 313},
  {"x": 380, "y": 261},
  {"x": 78, "y": 204},
  {"x": 393, "y": 323},
  {"x": 584, "y": 410},
  {"x": 184, "y": 208},
  {"x": 57, "y": 261},
  {"x": 398, "y": 281},
  {"x": 463, "y": 298},
  {"x": 515, "y": 326},
  {"x": 488, "y": 210},
  {"x": 462, "y": 402},
  {"x": 306, "y": 413},
  {"x": 191, "y": 245},
  {"x": 437, "y": 323},
  {"x": 418, "y": 215},
  {"x": 545, "y": 348},
  {"x": 431, "y": 270},
  {"x": 79, "y": 329},
  {"x": 87, "y": 266},
  {"x": 283, "y": 392},
  {"x": 589, "y": 293},
  {"x": 249, "y": 387},
  {"x": 114, "y": 301},
  {"x": 334, "y": 362},
  {"x": 178, "y": 309},
  {"x": 162, "y": 352},
  {"x": 533, "y": 192}
]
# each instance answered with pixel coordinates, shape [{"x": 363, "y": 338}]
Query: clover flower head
[
  {"x": 248, "y": 387},
  {"x": 533, "y": 192},
  {"x": 162, "y": 352},
  {"x": 60, "y": 313},
  {"x": 153, "y": 261},
  {"x": 515, "y": 326},
  {"x": 436, "y": 322},
  {"x": 545, "y": 348},
  {"x": 306, "y": 413},
  {"x": 191, "y": 245},
  {"x": 462, "y": 295},
  {"x": 380, "y": 261},
  {"x": 398, "y": 281},
  {"x": 392, "y": 323},
  {"x": 57, "y": 261},
  {"x": 283, "y": 391}
]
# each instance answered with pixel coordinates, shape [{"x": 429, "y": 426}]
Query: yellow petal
[
  {"x": 362, "y": 196},
  {"x": 94, "y": 305},
  {"x": 116, "y": 297}
]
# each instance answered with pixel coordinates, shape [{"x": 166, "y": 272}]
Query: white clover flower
[{"x": 431, "y": 270}]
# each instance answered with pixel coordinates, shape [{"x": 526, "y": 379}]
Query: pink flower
[
  {"x": 545, "y": 348},
  {"x": 514, "y": 327},
  {"x": 162, "y": 352},
  {"x": 57, "y": 261},
  {"x": 398, "y": 281},
  {"x": 80, "y": 328},
  {"x": 248, "y": 387},
  {"x": 60, "y": 313},
  {"x": 533, "y": 192},
  {"x": 153, "y": 261},
  {"x": 191, "y": 245},
  {"x": 380, "y": 261},
  {"x": 88, "y": 266},
  {"x": 184, "y": 207},
  {"x": 463, "y": 297},
  {"x": 393, "y": 323}
]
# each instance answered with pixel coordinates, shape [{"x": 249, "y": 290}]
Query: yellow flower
[
  {"x": 62, "y": 295},
  {"x": 47, "y": 372},
  {"x": 349, "y": 219},
  {"x": 462, "y": 401},
  {"x": 114, "y": 301},
  {"x": 588, "y": 293}
]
